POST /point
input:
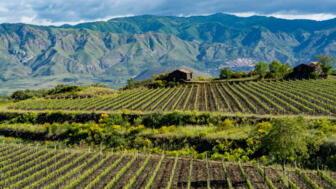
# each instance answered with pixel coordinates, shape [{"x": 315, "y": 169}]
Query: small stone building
[
  {"x": 180, "y": 75},
  {"x": 304, "y": 71}
]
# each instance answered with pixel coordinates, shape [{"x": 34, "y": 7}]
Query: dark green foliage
[
  {"x": 287, "y": 140},
  {"x": 59, "y": 89},
  {"x": 130, "y": 84},
  {"x": 314, "y": 75},
  {"x": 99, "y": 85},
  {"x": 116, "y": 119},
  {"x": 277, "y": 70},
  {"x": 153, "y": 119},
  {"x": 261, "y": 68},
  {"x": 327, "y": 63},
  {"x": 225, "y": 73},
  {"x": 26, "y": 94},
  {"x": 236, "y": 75},
  {"x": 64, "y": 89},
  {"x": 25, "y": 118}
]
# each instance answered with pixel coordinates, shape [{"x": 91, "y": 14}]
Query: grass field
[
  {"x": 304, "y": 97},
  {"x": 28, "y": 166}
]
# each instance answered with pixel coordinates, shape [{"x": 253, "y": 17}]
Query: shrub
[
  {"x": 314, "y": 75},
  {"x": 201, "y": 78},
  {"x": 25, "y": 118},
  {"x": 225, "y": 73},
  {"x": 226, "y": 124},
  {"x": 263, "y": 127},
  {"x": 153, "y": 119},
  {"x": 113, "y": 119}
]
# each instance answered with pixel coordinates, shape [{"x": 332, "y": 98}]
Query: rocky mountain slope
[{"x": 113, "y": 51}]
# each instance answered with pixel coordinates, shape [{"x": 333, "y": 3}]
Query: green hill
[{"x": 110, "y": 52}]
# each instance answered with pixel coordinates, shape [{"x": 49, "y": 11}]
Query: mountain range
[{"x": 110, "y": 52}]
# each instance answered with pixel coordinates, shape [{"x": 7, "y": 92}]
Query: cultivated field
[
  {"x": 24, "y": 166},
  {"x": 310, "y": 97}
]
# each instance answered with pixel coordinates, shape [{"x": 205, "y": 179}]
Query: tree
[
  {"x": 225, "y": 73},
  {"x": 261, "y": 68},
  {"x": 327, "y": 63},
  {"x": 275, "y": 66},
  {"x": 275, "y": 69},
  {"x": 278, "y": 70},
  {"x": 287, "y": 139},
  {"x": 130, "y": 83}
]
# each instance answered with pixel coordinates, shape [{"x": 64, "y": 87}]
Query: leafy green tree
[
  {"x": 261, "y": 68},
  {"x": 130, "y": 83},
  {"x": 287, "y": 139},
  {"x": 278, "y": 70},
  {"x": 225, "y": 73},
  {"x": 275, "y": 69},
  {"x": 327, "y": 63},
  {"x": 275, "y": 66}
]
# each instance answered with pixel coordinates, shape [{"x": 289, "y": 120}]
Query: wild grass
[{"x": 192, "y": 131}]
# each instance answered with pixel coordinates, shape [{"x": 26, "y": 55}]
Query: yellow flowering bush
[
  {"x": 263, "y": 127},
  {"x": 226, "y": 124},
  {"x": 103, "y": 117},
  {"x": 165, "y": 129},
  {"x": 116, "y": 126},
  {"x": 135, "y": 129}
]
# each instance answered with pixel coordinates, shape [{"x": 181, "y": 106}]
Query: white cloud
[
  {"x": 46, "y": 22},
  {"x": 58, "y": 12},
  {"x": 318, "y": 17},
  {"x": 289, "y": 15}
]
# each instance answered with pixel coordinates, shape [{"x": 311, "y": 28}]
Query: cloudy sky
[{"x": 57, "y": 12}]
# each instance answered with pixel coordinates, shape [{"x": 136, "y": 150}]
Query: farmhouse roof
[
  {"x": 313, "y": 64},
  {"x": 184, "y": 70}
]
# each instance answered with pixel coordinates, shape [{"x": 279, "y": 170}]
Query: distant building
[
  {"x": 180, "y": 75},
  {"x": 305, "y": 71}
]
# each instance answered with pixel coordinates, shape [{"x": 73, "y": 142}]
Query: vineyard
[
  {"x": 26, "y": 166},
  {"x": 310, "y": 97}
]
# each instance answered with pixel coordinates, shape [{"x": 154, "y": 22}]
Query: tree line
[{"x": 276, "y": 69}]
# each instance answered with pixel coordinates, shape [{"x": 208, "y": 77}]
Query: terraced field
[
  {"x": 310, "y": 97},
  {"x": 25, "y": 166}
]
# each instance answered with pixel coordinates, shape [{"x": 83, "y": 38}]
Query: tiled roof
[{"x": 184, "y": 70}]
